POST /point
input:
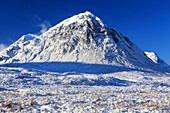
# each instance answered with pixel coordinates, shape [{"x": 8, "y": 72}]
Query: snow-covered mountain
[{"x": 81, "y": 38}]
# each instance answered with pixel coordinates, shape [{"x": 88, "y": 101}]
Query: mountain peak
[
  {"x": 81, "y": 18},
  {"x": 87, "y": 13},
  {"x": 27, "y": 37}
]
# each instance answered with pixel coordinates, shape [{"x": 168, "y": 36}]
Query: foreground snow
[{"x": 26, "y": 89}]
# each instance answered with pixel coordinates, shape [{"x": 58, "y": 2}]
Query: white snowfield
[{"x": 82, "y": 65}]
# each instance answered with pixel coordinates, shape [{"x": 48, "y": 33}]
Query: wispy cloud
[
  {"x": 44, "y": 26},
  {"x": 11, "y": 40},
  {"x": 3, "y": 46},
  {"x": 37, "y": 18}
]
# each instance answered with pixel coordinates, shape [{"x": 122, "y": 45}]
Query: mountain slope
[{"x": 81, "y": 38}]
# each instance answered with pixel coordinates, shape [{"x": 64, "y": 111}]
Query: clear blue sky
[{"x": 145, "y": 22}]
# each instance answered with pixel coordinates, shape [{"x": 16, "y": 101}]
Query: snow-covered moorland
[
  {"x": 31, "y": 90},
  {"x": 82, "y": 65}
]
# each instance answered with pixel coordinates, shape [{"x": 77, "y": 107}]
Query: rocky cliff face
[{"x": 81, "y": 38}]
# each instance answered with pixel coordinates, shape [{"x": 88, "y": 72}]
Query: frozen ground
[{"x": 94, "y": 88}]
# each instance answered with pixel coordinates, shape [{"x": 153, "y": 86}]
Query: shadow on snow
[
  {"x": 63, "y": 67},
  {"x": 68, "y": 68}
]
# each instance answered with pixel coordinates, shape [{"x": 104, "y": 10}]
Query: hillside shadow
[{"x": 64, "y": 67}]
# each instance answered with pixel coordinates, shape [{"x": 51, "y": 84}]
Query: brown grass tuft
[{"x": 31, "y": 102}]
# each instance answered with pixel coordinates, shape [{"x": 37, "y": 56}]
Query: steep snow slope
[
  {"x": 156, "y": 59},
  {"x": 81, "y": 38}
]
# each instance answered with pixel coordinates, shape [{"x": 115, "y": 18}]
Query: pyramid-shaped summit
[{"x": 81, "y": 38}]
